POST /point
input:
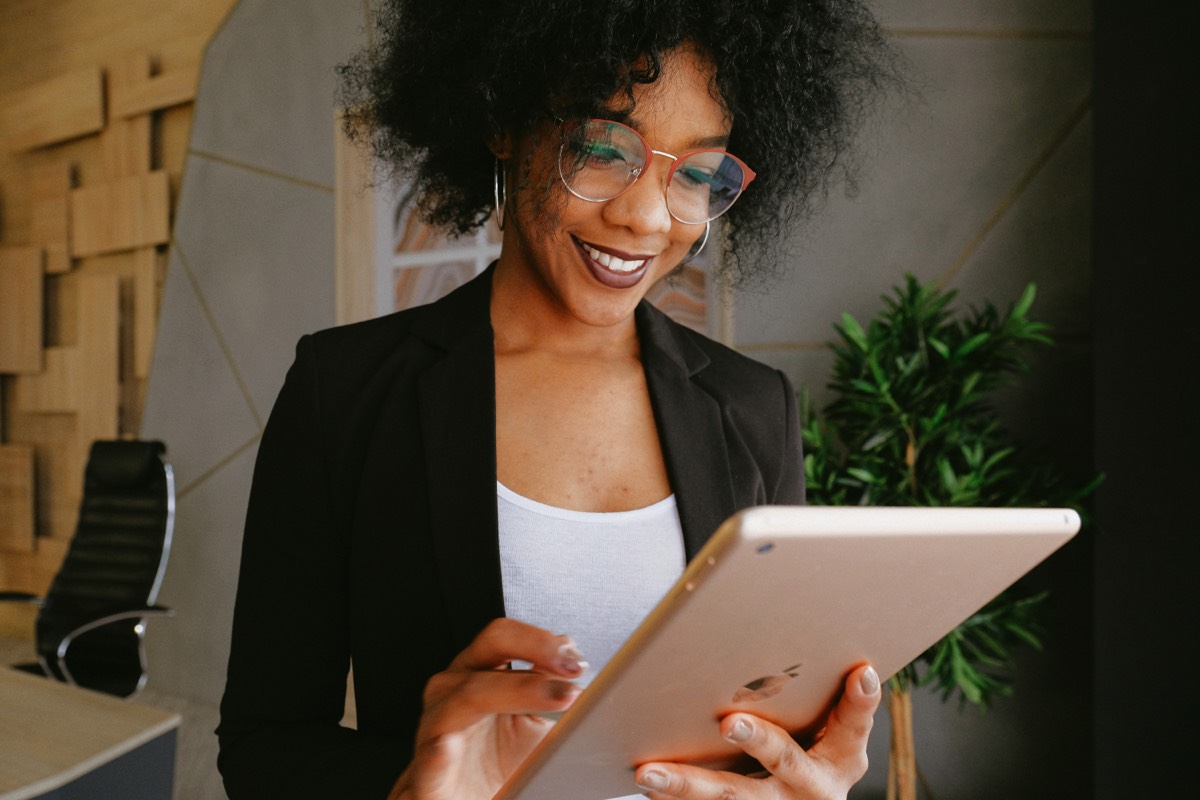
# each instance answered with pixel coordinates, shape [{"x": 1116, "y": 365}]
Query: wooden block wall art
[
  {"x": 21, "y": 304},
  {"x": 173, "y": 87},
  {"x": 53, "y": 111},
  {"x": 59, "y": 469},
  {"x": 123, "y": 214},
  {"x": 126, "y": 143},
  {"x": 49, "y": 185},
  {"x": 126, "y": 146},
  {"x": 147, "y": 268},
  {"x": 33, "y": 572},
  {"x": 99, "y": 358},
  {"x": 16, "y": 498},
  {"x": 53, "y": 391}
]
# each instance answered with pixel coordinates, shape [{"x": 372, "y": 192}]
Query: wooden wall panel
[
  {"x": 16, "y": 498},
  {"x": 55, "y": 110},
  {"x": 98, "y": 208},
  {"x": 58, "y": 464},
  {"x": 55, "y": 390},
  {"x": 99, "y": 357},
  {"x": 147, "y": 267},
  {"x": 154, "y": 93},
  {"x": 123, "y": 214},
  {"x": 49, "y": 185},
  {"x": 21, "y": 305}
]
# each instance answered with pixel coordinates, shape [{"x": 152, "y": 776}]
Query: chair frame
[{"x": 142, "y": 612}]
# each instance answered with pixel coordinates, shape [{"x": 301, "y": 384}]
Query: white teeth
[{"x": 612, "y": 262}]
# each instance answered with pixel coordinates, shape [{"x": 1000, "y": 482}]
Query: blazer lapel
[
  {"x": 456, "y": 397},
  {"x": 689, "y": 427}
]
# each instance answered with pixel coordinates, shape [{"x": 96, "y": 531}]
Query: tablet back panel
[{"x": 769, "y": 617}]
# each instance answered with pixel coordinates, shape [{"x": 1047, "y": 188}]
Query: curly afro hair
[{"x": 444, "y": 78}]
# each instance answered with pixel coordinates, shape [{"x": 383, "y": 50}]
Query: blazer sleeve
[
  {"x": 285, "y": 692},
  {"x": 790, "y": 489}
]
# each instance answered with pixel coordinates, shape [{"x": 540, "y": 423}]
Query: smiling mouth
[
  {"x": 616, "y": 271},
  {"x": 609, "y": 261}
]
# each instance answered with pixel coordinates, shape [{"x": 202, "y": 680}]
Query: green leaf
[
  {"x": 1023, "y": 305},
  {"x": 971, "y": 345},
  {"x": 853, "y": 332}
]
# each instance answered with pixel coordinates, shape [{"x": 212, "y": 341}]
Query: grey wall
[
  {"x": 251, "y": 269},
  {"x": 981, "y": 180}
]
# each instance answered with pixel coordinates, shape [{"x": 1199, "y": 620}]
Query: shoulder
[
  {"x": 732, "y": 378},
  {"x": 411, "y": 337}
]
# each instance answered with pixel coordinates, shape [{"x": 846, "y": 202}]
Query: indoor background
[{"x": 980, "y": 180}]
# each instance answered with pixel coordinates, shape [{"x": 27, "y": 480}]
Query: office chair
[{"x": 92, "y": 619}]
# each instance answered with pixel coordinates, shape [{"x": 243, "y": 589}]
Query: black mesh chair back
[{"x": 90, "y": 626}]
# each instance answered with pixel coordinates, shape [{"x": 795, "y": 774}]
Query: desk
[{"x": 59, "y": 742}]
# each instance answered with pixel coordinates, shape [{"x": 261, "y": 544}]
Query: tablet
[{"x": 769, "y": 617}]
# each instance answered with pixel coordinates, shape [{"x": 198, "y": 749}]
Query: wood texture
[
  {"x": 126, "y": 143},
  {"x": 59, "y": 474},
  {"x": 40, "y": 751},
  {"x": 16, "y": 498},
  {"x": 99, "y": 358},
  {"x": 147, "y": 266},
  {"x": 123, "y": 214},
  {"x": 154, "y": 93},
  {"x": 52, "y": 111},
  {"x": 20, "y": 309},
  {"x": 127, "y": 146},
  {"x": 49, "y": 185},
  {"x": 145, "y": 53},
  {"x": 55, "y": 390}
]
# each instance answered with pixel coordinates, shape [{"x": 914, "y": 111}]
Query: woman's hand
[
  {"x": 827, "y": 770},
  {"x": 480, "y": 718}
]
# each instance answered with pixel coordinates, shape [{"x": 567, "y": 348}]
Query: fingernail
[
  {"x": 570, "y": 660},
  {"x": 869, "y": 682},
  {"x": 560, "y": 690},
  {"x": 740, "y": 732},
  {"x": 653, "y": 780}
]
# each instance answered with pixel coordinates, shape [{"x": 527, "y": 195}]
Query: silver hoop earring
[
  {"x": 695, "y": 251},
  {"x": 498, "y": 192}
]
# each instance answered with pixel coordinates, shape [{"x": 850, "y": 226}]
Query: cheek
[{"x": 544, "y": 209}]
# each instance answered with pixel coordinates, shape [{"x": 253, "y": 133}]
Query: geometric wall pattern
[{"x": 88, "y": 186}]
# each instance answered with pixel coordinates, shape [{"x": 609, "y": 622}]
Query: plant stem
[{"x": 902, "y": 766}]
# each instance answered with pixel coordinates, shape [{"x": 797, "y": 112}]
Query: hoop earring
[
  {"x": 499, "y": 191},
  {"x": 695, "y": 251}
]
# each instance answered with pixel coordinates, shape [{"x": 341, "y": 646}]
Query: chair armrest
[
  {"x": 116, "y": 616},
  {"x": 20, "y": 597}
]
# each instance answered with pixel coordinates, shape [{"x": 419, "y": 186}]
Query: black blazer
[{"x": 371, "y": 532}]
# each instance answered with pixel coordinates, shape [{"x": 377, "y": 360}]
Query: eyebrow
[{"x": 703, "y": 143}]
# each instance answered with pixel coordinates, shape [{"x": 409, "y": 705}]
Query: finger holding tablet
[
  {"x": 481, "y": 718},
  {"x": 826, "y": 770}
]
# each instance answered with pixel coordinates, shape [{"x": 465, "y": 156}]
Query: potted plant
[{"x": 912, "y": 423}]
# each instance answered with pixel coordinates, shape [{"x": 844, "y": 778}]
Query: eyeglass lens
[{"x": 600, "y": 159}]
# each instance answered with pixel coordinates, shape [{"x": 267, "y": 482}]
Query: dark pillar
[{"x": 1147, "y": 335}]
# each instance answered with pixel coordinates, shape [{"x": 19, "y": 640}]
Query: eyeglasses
[{"x": 599, "y": 159}]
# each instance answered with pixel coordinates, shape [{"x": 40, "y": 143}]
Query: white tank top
[{"x": 593, "y": 576}]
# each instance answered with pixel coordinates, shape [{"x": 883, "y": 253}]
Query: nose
[{"x": 643, "y": 206}]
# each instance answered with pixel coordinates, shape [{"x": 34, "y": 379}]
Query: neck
[{"x": 526, "y": 316}]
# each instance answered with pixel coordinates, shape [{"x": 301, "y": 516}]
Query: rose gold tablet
[{"x": 769, "y": 617}]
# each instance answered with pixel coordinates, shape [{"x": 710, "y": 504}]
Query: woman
[{"x": 437, "y": 491}]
